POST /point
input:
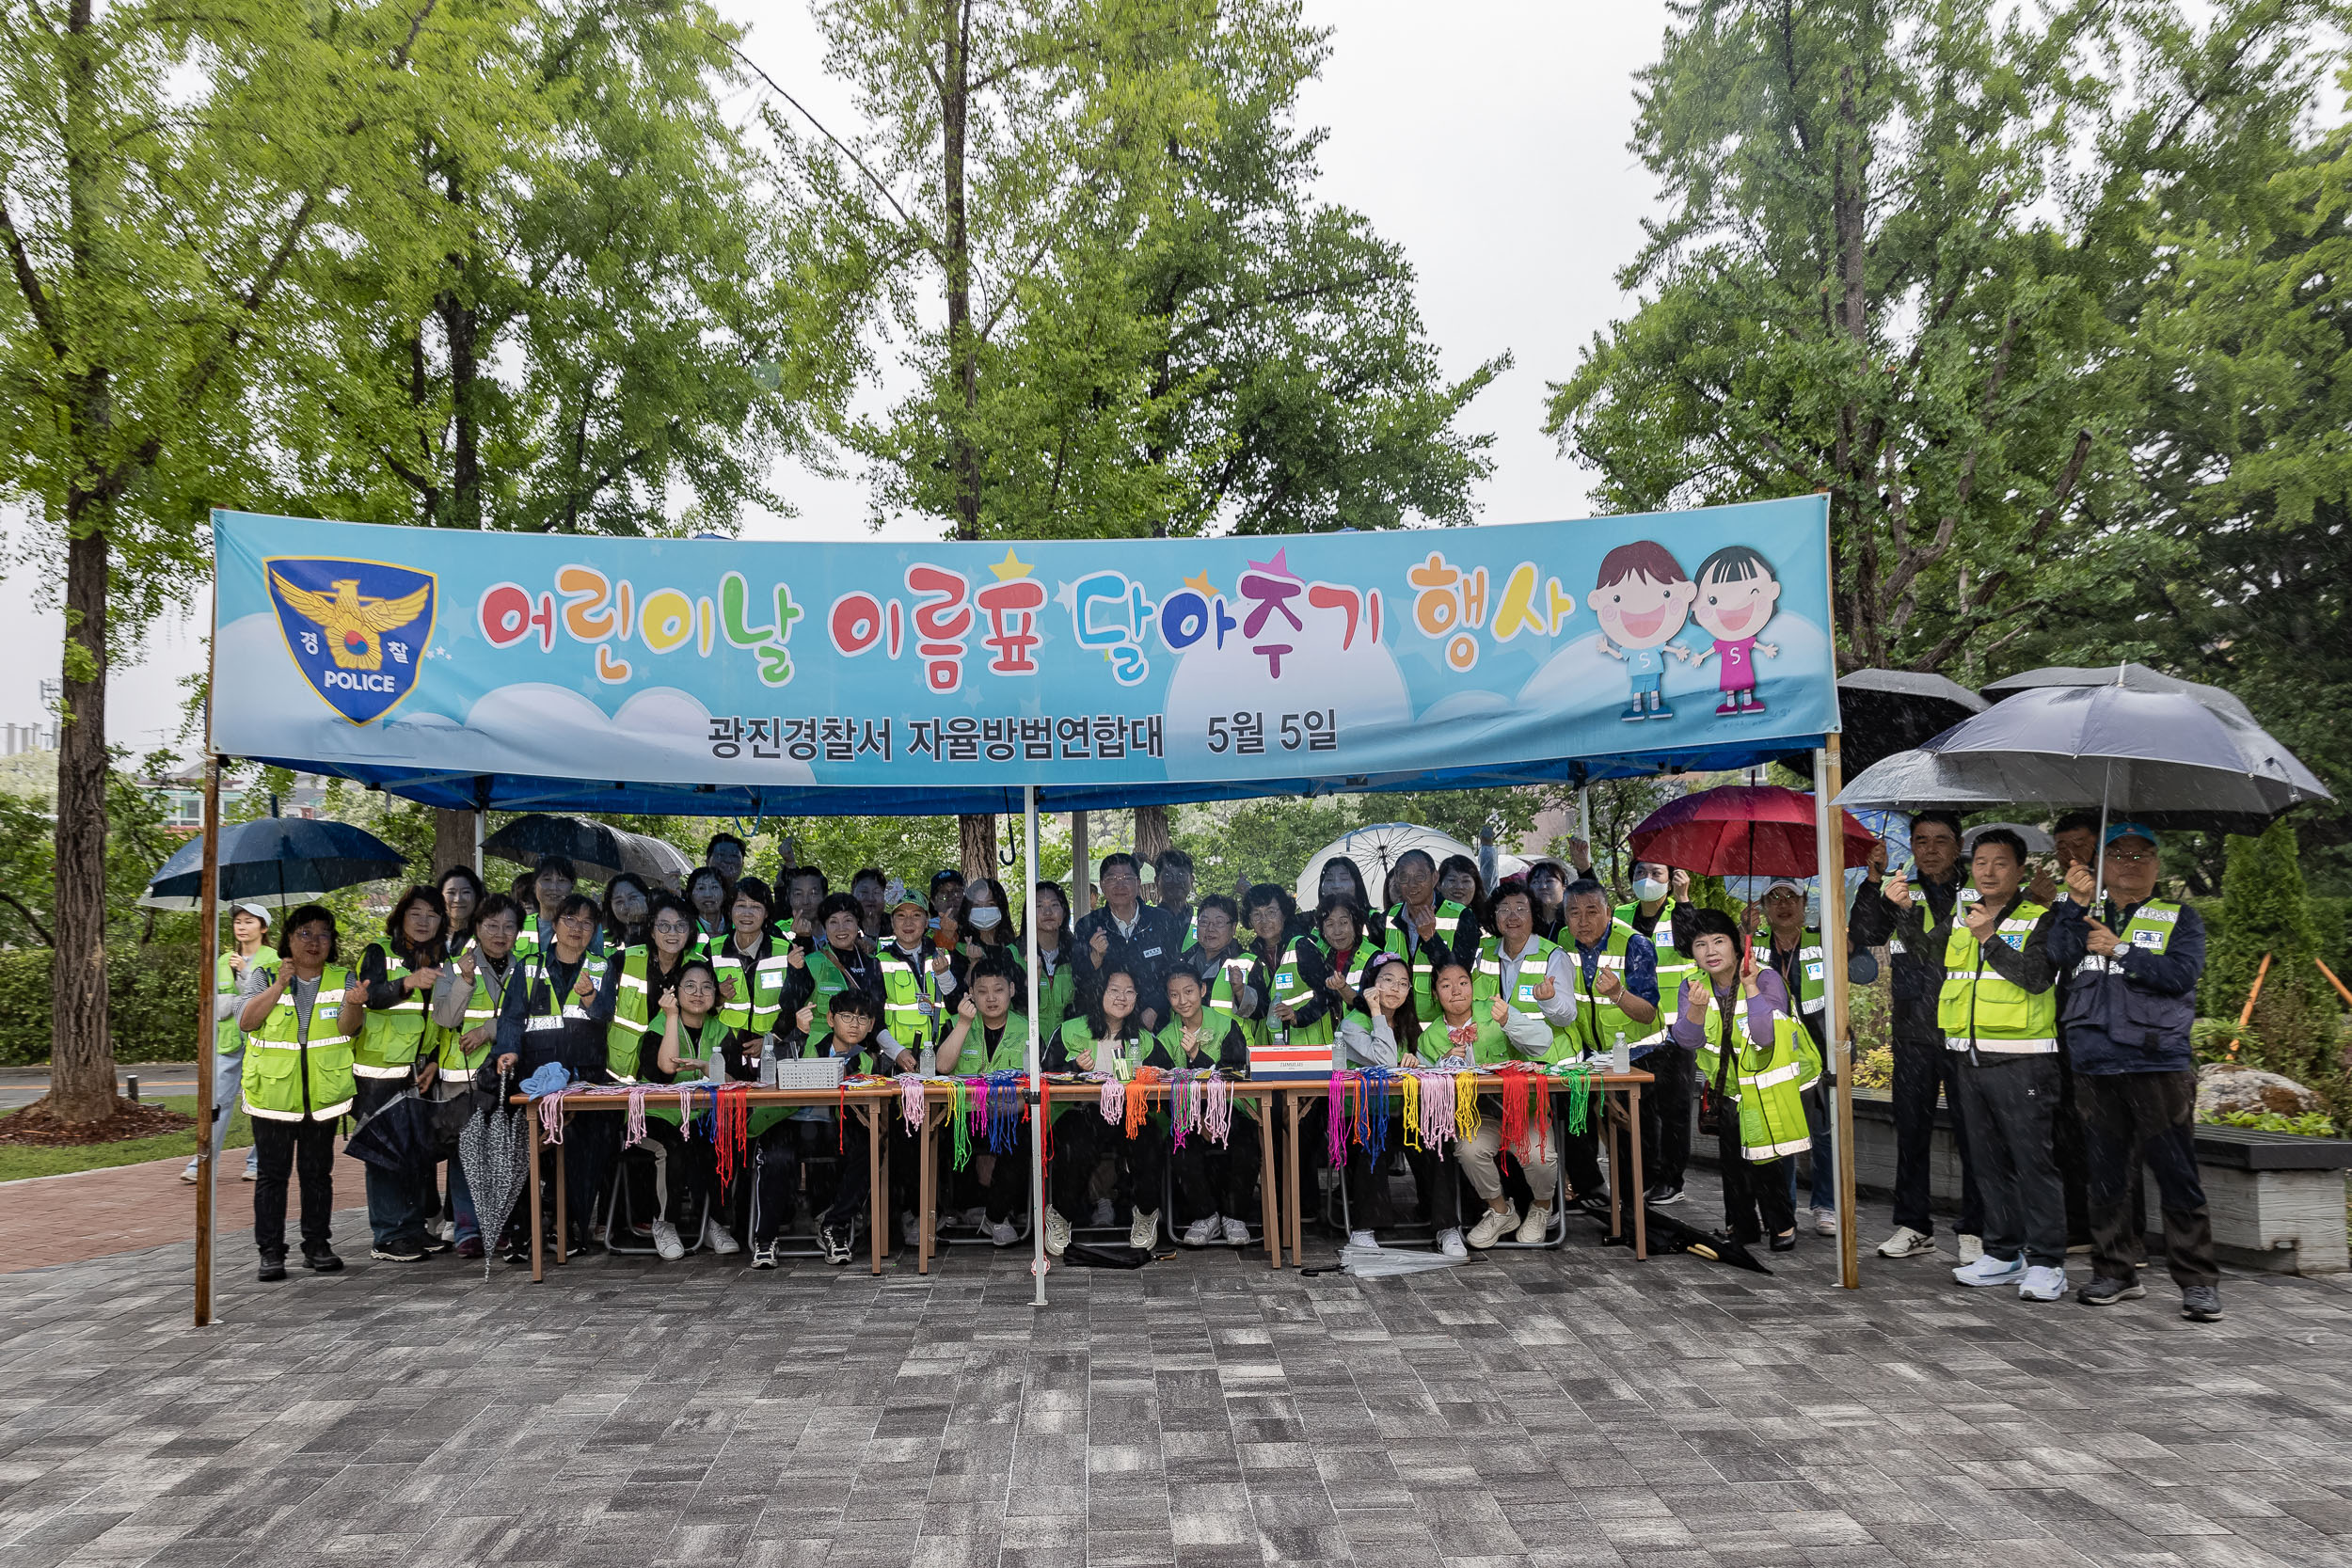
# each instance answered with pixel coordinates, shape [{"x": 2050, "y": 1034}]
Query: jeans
[
  {"x": 400, "y": 1202},
  {"x": 294, "y": 1149},
  {"x": 2011, "y": 1106},
  {"x": 1923, "y": 1070},
  {"x": 461, "y": 1202},
  {"x": 1822, "y": 1191},
  {"x": 228, "y": 1094},
  {"x": 2128, "y": 1118}
]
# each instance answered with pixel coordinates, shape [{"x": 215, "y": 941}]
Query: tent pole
[
  {"x": 1081, "y": 885},
  {"x": 1037, "y": 1127},
  {"x": 1829, "y": 840},
  {"x": 207, "y": 965}
]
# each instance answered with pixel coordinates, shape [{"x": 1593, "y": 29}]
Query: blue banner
[{"x": 1174, "y": 668}]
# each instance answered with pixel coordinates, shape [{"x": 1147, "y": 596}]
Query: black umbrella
[
  {"x": 495, "y": 1149},
  {"x": 396, "y": 1136},
  {"x": 1665, "y": 1233},
  {"x": 596, "y": 851},
  {"x": 276, "y": 860},
  {"x": 1886, "y": 711}
]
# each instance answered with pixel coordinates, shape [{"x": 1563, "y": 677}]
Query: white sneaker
[
  {"x": 1200, "y": 1232},
  {"x": 723, "y": 1241},
  {"x": 910, "y": 1228},
  {"x": 2042, "y": 1284},
  {"x": 665, "y": 1241},
  {"x": 1237, "y": 1231},
  {"x": 976, "y": 1218},
  {"x": 445, "y": 1230},
  {"x": 1450, "y": 1242},
  {"x": 1991, "y": 1271},
  {"x": 1004, "y": 1232},
  {"x": 1145, "y": 1231},
  {"x": 252, "y": 1171},
  {"x": 1825, "y": 1222},
  {"x": 1490, "y": 1226},
  {"x": 1906, "y": 1243},
  {"x": 1535, "y": 1228},
  {"x": 1103, "y": 1218},
  {"x": 1056, "y": 1231},
  {"x": 189, "y": 1175},
  {"x": 1363, "y": 1241},
  {"x": 1971, "y": 1249}
]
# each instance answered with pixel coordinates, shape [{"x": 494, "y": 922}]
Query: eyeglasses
[
  {"x": 2130, "y": 857},
  {"x": 670, "y": 928},
  {"x": 1784, "y": 896}
]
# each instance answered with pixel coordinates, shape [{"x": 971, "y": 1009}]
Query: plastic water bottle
[
  {"x": 767, "y": 1068},
  {"x": 928, "y": 1064},
  {"x": 1621, "y": 1059}
]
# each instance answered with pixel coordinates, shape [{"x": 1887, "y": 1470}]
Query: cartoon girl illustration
[{"x": 1737, "y": 591}]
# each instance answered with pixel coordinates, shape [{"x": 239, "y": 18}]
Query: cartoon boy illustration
[
  {"x": 1737, "y": 591},
  {"x": 1642, "y": 599}
]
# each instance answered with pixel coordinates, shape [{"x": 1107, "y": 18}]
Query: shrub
[
  {"x": 151, "y": 998},
  {"x": 2264, "y": 910},
  {"x": 2312, "y": 1124}
]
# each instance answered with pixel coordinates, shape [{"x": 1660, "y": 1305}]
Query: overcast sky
[{"x": 1487, "y": 136}]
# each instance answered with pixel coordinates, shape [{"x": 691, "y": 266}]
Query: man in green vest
[
  {"x": 2129, "y": 998},
  {"x": 1424, "y": 928},
  {"x": 1617, "y": 997},
  {"x": 1997, "y": 1005}
]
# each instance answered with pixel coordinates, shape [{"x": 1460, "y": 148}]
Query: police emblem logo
[{"x": 356, "y": 629}]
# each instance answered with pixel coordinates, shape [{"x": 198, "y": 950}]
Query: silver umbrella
[
  {"x": 494, "y": 1147},
  {"x": 2258, "y": 745}
]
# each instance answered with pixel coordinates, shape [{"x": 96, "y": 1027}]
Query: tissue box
[{"x": 1291, "y": 1064}]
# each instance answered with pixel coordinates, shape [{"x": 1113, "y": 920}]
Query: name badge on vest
[
  {"x": 2015, "y": 939},
  {"x": 1151, "y": 952},
  {"x": 2147, "y": 939},
  {"x": 1527, "y": 992},
  {"x": 1813, "y": 971}
]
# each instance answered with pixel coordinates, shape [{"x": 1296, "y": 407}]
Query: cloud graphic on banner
[{"x": 1357, "y": 689}]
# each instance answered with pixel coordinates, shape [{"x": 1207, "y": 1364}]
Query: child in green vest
[
  {"x": 687, "y": 1047},
  {"x": 1110, "y": 1031},
  {"x": 1215, "y": 1183},
  {"x": 1383, "y": 1029},
  {"x": 1466, "y": 1035},
  {"x": 989, "y": 1037}
]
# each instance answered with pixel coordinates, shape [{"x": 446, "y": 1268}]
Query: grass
[{"x": 18, "y": 1160}]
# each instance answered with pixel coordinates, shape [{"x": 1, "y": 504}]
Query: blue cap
[{"x": 2131, "y": 829}]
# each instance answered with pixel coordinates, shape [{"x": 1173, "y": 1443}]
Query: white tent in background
[{"x": 1377, "y": 849}]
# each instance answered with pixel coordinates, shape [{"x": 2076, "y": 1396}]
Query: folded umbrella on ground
[
  {"x": 397, "y": 1135},
  {"x": 1667, "y": 1234}
]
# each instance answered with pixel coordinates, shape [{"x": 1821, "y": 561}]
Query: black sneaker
[
  {"x": 1662, "y": 1194},
  {"x": 397, "y": 1252},
  {"x": 434, "y": 1245},
  {"x": 835, "y": 1239},
  {"x": 273, "y": 1268},
  {"x": 2103, "y": 1291},
  {"x": 322, "y": 1262},
  {"x": 2201, "y": 1303}
]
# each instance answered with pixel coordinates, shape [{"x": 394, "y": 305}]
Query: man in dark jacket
[
  {"x": 1129, "y": 935},
  {"x": 2129, "y": 997},
  {"x": 1923, "y": 1068}
]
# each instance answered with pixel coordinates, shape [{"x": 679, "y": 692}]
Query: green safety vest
[
  {"x": 1487, "y": 984},
  {"x": 1492, "y": 1045},
  {"x": 1290, "y": 986},
  {"x": 392, "y": 1039},
  {"x": 830, "y": 980},
  {"x": 1056, "y": 991},
  {"x": 1812, "y": 993},
  {"x": 1977, "y": 1007},
  {"x": 2150, "y": 929},
  {"x": 287, "y": 1080},
  {"x": 1673, "y": 968},
  {"x": 1599, "y": 1023},
  {"x": 624, "y": 1037},
  {"x": 1217, "y": 1028},
  {"x": 902, "y": 1002},
  {"x": 758, "y": 1005},
  {"x": 1424, "y": 959},
  {"x": 1766, "y": 1081},
  {"x": 1010, "y": 1056},
  {"x": 1220, "y": 1001},
  {"x": 228, "y": 1039}
]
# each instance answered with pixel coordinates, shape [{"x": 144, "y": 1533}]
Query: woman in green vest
[
  {"x": 709, "y": 895},
  {"x": 398, "y": 1050},
  {"x": 298, "y": 1085},
  {"x": 1215, "y": 1183},
  {"x": 637, "y": 978},
  {"x": 1057, "y": 980},
  {"x": 626, "y": 901},
  {"x": 1485, "y": 1032},
  {"x": 1109, "y": 1038},
  {"x": 1269, "y": 916},
  {"x": 1318, "y": 978},
  {"x": 689, "y": 1045},
  {"x": 468, "y": 1005},
  {"x": 236, "y": 970},
  {"x": 839, "y": 962},
  {"x": 755, "y": 966},
  {"x": 1733, "y": 1015},
  {"x": 1383, "y": 1028},
  {"x": 990, "y": 1036}
]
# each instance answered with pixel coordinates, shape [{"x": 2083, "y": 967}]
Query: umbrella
[
  {"x": 1886, "y": 711},
  {"x": 596, "y": 851},
  {"x": 1742, "y": 830},
  {"x": 2038, "y": 840},
  {"x": 276, "y": 860},
  {"x": 2159, "y": 757},
  {"x": 495, "y": 1153},
  {"x": 2256, "y": 744},
  {"x": 396, "y": 1136},
  {"x": 1376, "y": 849}
]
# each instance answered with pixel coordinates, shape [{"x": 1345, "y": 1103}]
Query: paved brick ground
[
  {"x": 115, "y": 1210},
  {"x": 1565, "y": 1408}
]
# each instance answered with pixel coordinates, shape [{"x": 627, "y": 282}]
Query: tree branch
[{"x": 843, "y": 148}]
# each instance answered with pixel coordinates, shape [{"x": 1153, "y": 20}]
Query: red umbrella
[{"x": 1743, "y": 831}]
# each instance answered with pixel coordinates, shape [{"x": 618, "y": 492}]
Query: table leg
[
  {"x": 878, "y": 1175},
  {"x": 1641, "y": 1186},
  {"x": 1269, "y": 1188},
  {"x": 926, "y": 1190},
  {"x": 1291, "y": 1227},
  {"x": 538, "y": 1264},
  {"x": 563, "y": 1229},
  {"x": 1610, "y": 1110}
]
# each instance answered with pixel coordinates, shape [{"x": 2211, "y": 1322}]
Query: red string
[
  {"x": 1044, "y": 1115},
  {"x": 841, "y": 1122},
  {"x": 1514, "y": 1105}
]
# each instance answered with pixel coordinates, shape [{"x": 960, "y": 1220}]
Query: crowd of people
[{"x": 2058, "y": 1030}]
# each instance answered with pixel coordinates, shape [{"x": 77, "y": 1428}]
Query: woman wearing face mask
[
  {"x": 1382, "y": 1028},
  {"x": 626, "y": 903},
  {"x": 1733, "y": 1014},
  {"x": 689, "y": 1045},
  {"x": 1111, "y": 1028},
  {"x": 397, "y": 1050},
  {"x": 984, "y": 920}
]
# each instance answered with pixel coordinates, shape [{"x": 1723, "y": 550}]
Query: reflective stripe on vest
[{"x": 1977, "y": 1005}]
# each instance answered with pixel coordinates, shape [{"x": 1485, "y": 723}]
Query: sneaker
[
  {"x": 1533, "y": 1228},
  {"x": 763, "y": 1254},
  {"x": 2104, "y": 1291},
  {"x": 976, "y": 1217},
  {"x": 252, "y": 1167},
  {"x": 835, "y": 1239},
  {"x": 1237, "y": 1231},
  {"x": 1450, "y": 1242},
  {"x": 1145, "y": 1231},
  {"x": 1004, "y": 1232},
  {"x": 1595, "y": 1203},
  {"x": 1363, "y": 1241},
  {"x": 188, "y": 1175},
  {"x": 470, "y": 1247},
  {"x": 910, "y": 1228},
  {"x": 1661, "y": 711},
  {"x": 1906, "y": 1243},
  {"x": 1970, "y": 1247},
  {"x": 1991, "y": 1271},
  {"x": 665, "y": 1241},
  {"x": 322, "y": 1262},
  {"x": 1825, "y": 1222},
  {"x": 1490, "y": 1226},
  {"x": 434, "y": 1245},
  {"x": 397, "y": 1253},
  {"x": 2042, "y": 1283},
  {"x": 1056, "y": 1231},
  {"x": 273, "y": 1268},
  {"x": 1755, "y": 704},
  {"x": 1103, "y": 1219},
  {"x": 2201, "y": 1303},
  {"x": 723, "y": 1241},
  {"x": 1663, "y": 1195},
  {"x": 443, "y": 1230},
  {"x": 1200, "y": 1232},
  {"x": 1726, "y": 707},
  {"x": 1635, "y": 713}
]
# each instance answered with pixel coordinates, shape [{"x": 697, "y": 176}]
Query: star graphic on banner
[
  {"x": 1280, "y": 565},
  {"x": 1066, "y": 596},
  {"x": 1201, "y": 585},
  {"x": 1011, "y": 567}
]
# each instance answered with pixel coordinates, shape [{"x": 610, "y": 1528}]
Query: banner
[{"x": 1223, "y": 661}]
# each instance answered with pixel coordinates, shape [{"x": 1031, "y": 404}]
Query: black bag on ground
[{"x": 1086, "y": 1255}]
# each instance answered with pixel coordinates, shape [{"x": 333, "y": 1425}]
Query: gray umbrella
[
  {"x": 496, "y": 1151},
  {"x": 2253, "y": 742}
]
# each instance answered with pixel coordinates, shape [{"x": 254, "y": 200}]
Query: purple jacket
[{"x": 1691, "y": 1007}]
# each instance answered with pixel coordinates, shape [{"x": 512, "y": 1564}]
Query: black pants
[
  {"x": 775, "y": 1184},
  {"x": 286, "y": 1148},
  {"x": 1081, "y": 1139},
  {"x": 1665, "y": 1114},
  {"x": 1437, "y": 1184},
  {"x": 2066, "y": 1142},
  {"x": 1924, "y": 1069},
  {"x": 2012, "y": 1105},
  {"x": 1005, "y": 1193},
  {"x": 1756, "y": 1192},
  {"x": 1214, "y": 1180},
  {"x": 2128, "y": 1118}
]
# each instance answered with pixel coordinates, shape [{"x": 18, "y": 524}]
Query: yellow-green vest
[
  {"x": 1598, "y": 1022},
  {"x": 1010, "y": 1056},
  {"x": 1424, "y": 958},
  {"x": 1976, "y": 1006},
  {"x": 1768, "y": 1081},
  {"x": 1812, "y": 993},
  {"x": 1056, "y": 992},
  {"x": 1220, "y": 1002},
  {"x": 758, "y": 1005},
  {"x": 1289, "y": 985},
  {"x": 1673, "y": 968},
  {"x": 228, "y": 1039},
  {"x": 393, "y": 1038},
  {"x": 632, "y": 1011},
  {"x": 1491, "y": 1047},
  {"x": 285, "y": 1080},
  {"x": 1487, "y": 984},
  {"x": 902, "y": 1003},
  {"x": 480, "y": 1008}
]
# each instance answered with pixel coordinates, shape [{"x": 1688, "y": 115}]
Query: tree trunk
[
  {"x": 955, "y": 98},
  {"x": 1152, "y": 835},
  {"x": 977, "y": 832},
  {"x": 453, "y": 841},
  {"x": 461, "y": 326}
]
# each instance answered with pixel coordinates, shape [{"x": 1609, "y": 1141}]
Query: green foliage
[
  {"x": 151, "y": 990},
  {"x": 136, "y": 843},
  {"x": 2263, "y": 910},
  {"x": 2209, "y": 1040},
  {"x": 2311, "y": 1124},
  {"x": 19, "y": 1161},
  {"x": 1272, "y": 840}
]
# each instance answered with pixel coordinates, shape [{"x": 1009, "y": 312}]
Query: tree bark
[
  {"x": 453, "y": 841},
  {"x": 955, "y": 100},
  {"x": 978, "y": 833},
  {"x": 1151, "y": 834},
  {"x": 461, "y": 325}
]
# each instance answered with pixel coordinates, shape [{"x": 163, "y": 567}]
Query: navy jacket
[{"x": 2130, "y": 1013}]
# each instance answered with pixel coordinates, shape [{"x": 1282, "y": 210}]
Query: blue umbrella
[{"x": 275, "y": 860}]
